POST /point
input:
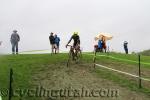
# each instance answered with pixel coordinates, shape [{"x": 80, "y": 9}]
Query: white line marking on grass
[
  {"x": 119, "y": 59},
  {"x": 123, "y": 72}
]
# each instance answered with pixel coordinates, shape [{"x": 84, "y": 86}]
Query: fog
[{"x": 126, "y": 20}]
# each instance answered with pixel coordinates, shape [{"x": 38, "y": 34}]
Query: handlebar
[{"x": 69, "y": 45}]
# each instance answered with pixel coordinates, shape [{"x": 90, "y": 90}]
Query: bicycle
[{"x": 75, "y": 54}]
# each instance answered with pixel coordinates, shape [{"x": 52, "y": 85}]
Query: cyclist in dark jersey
[{"x": 76, "y": 39}]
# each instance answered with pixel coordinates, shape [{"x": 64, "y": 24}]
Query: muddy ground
[{"x": 77, "y": 77}]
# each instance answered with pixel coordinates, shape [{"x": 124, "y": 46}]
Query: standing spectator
[
  {"x": 125, "y": 47},
  {"x": 0, "y": 43},
  {"x": 52, "y": 42},
  {"x": 104, "y": 44},
  {"x": 100, "y": 45},
  {"x": 15, "y": 38},
  {"x": 57, "y": 40}
]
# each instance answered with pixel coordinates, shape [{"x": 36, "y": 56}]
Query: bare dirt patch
[{"x": 77, "y": 77}]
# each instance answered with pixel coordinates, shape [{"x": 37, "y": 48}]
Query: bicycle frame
[
  {"x": 72, "y": 51},
  {"x": 74, "y": 54}
]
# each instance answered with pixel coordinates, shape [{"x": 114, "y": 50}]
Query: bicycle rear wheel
[{"x": 78, "y": 56}]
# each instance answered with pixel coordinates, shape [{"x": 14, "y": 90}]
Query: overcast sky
[{"x": 34, "y": 19}]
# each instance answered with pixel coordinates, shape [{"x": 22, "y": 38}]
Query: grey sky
[{"x": 34, "y": 19}]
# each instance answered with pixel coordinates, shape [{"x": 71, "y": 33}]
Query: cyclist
[
  {"x": 76, "y": 38},
  {"x": 76, "y": 44}
]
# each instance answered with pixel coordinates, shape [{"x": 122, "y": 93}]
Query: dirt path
[{"x": 77, "y": 77}]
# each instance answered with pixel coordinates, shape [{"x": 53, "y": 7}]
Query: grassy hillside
[
  {"x": 145, "y": 52},
  {"x": 51, "y": 72}
]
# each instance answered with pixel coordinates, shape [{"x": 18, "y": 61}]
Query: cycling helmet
[{"x": 75, "y": 33}]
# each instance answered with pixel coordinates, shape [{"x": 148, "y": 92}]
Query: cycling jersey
[{"x": 76, "y": 39}]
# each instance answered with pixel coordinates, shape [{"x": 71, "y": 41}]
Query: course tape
[
  {"x": 144, "y": 63},
  {"x": 145, "y": 79}
]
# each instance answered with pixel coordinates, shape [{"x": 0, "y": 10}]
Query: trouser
[
  {"x": 52, "y": 48},
  {"x": 57, "y": 47},
  {"x": 126, "y": 50},
  {"x": 14, "y": 47}
]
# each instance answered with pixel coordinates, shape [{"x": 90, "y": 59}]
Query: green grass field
[{"x": 51, "y": 72}]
